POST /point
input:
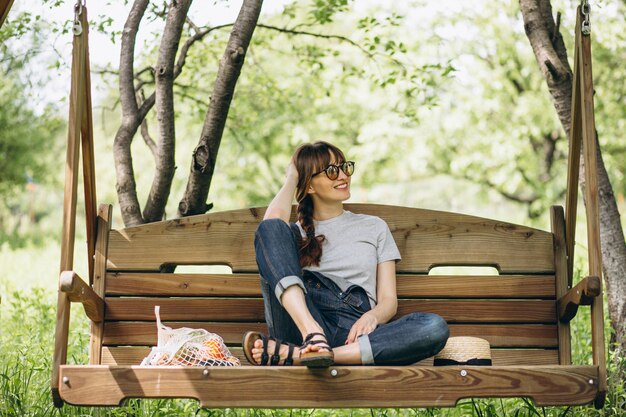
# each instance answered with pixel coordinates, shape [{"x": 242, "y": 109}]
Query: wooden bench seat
[{"x": 516, "y": 311}]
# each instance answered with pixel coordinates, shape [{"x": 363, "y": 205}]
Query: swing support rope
[
  {"x": 583, "y": 138},
  {"x": 80, "y": 136}
]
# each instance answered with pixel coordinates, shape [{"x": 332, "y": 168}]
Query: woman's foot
[
  {"x": 262, "y": 350},
  {"x": 315, "y": 352},
  {"x": 283, "y": 353}
]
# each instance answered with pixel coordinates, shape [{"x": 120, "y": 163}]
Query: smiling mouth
[{"x": 342, "y": 186}]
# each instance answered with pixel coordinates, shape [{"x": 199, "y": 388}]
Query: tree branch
[
  {"x": 317, "y": 35},
  {"x": 126, "y": 186},
  {"x": 549, "y": 48},
  {"x": 198, "y": 36},
  {"x": 146, "y": 134},
  {"x": 149, "y": 102},
  {"x": 164, "y": 100},
  {"x": 192, "y": 25},
  {"x": 205, "y": 154},
  {"x": 485, "y": 182},
  {"x": 148, "y": 139}
]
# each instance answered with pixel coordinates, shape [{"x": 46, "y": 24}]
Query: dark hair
[{"x": 309, "y": 159}]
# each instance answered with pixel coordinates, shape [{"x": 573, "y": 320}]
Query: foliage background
[{"x": 440, "y": 104}]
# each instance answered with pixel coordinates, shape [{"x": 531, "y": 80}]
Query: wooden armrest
[
  {"x": 78, "y": 291},
  {"x": 582, "y": 294}
]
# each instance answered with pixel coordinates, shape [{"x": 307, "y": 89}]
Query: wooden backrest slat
[
  {"x": 498, "y": 335},
  {"x": 409, "y": 286},
  {"x": 501, "y": 357},
  {"x": 251, "y": 309},
  {"x": 426, "y": 239}
]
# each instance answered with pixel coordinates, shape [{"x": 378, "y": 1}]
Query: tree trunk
[
  {"x": 547, "y": 43},
  {"x": 164, "y": 99},
  {"x": 205, "y": 155},
  {"x": 126, "y": 186}
]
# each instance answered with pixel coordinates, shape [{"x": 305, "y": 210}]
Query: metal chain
[
  {"x": 77, "y": 27},
  {"x": 585, "y": 9}
]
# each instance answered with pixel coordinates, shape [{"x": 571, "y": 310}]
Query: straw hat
[{"x": 464, "y": 351}]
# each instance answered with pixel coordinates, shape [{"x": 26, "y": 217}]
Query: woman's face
[{"x": 324, "y": 189}]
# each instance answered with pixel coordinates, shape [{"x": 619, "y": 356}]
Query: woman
[{"x": 329, "y": 280}]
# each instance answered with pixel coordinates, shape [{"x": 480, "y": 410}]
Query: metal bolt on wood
[
  {"x": 333, "y": 373},
  {"x": 463, "y": 372},
  {"x": 66, "y": 380},
  {"x": 205, "y": 372}
]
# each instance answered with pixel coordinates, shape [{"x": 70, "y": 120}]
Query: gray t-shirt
[{"x": 355, "y": 244}]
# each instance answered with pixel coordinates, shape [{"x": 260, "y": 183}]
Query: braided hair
[{"x": 310, "y": 159}]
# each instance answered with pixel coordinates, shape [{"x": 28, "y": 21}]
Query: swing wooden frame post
[
  {"x": 5, "y": 6},
  {"x": 80, "y": 135},
  {"x": 583, "y": 135},
  {"x": 524, "y": 312}
]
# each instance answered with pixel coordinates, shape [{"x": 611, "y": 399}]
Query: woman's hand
[
  {"x": 292, "y": 173},
  {"x": 280, "y": 207},
  {"x": 364, "y": 325}
]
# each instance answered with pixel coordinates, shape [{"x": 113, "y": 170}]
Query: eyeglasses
[{"x": 332, "y": 171}]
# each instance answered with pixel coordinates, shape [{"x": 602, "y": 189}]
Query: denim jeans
[{"x": 401, "y": 342}]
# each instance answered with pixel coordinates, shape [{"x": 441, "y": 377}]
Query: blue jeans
[{"x": 401, "y": 342}]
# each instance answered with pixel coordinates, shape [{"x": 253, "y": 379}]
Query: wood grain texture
[
  {"x": 557, "y": 219},
  {"x": 408, "y": 285},
  {"x": 425, "y": 238},
  {"x": 507, "y": 335},
  {"x": 581, "y": 295},
  {"x": 133, "y": 355},
  {"x": 89, "y": 161},
  {"x": 590, "y": 154},
  {"x": 573, "y": 158},
  {"x": 78, "y": 291},
  {"x": 145, "y": 333},
  {"x": 68, "y": 234},
  {"x": 5, "y": 6},
  {"x": 251, "y": 309},
  {"x": 351, "y": 387},
  {"x": 103, "y": 226}
]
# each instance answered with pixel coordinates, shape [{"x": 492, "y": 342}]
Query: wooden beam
[
  {"x": 591, "y": 156},
  {"x": 133, "y": 355},
  {"x": 89, "y": 170},
  {"x": 5, "y": 6},
  {"x": 408, "y": 285},
  {"x": 334, "y": 387},
  {"x": 574, "y": 159},
  {"x": 69, "y": 205},
  {"x": 251, "y": 309},
  {"x": 102, "y": 244},
  {"x": 138, "y": 333},
  {"x": 78, "y": 291},
  {"x": 582, "y": 294},
  {"x": 562, "y": 280}
]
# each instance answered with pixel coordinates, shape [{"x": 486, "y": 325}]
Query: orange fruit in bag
[{"x": 214, "y": 345}]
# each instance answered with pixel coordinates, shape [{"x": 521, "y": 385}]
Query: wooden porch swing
[{"x": 524, "y": 312}]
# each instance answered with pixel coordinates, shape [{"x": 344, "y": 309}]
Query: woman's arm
[
  {"x": 280, "y": 207},
  {"x": 387, "y": 304}
]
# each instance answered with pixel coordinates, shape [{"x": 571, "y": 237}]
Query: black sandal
[
  {"x": 319, "y": 359},
  {"x": 248, "y": 344}
]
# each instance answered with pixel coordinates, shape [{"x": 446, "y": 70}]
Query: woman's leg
[
  {"x": 287, "y": 314},
  {"x": 407, "y": 340},
  {"x": 340, "y": 309}
]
